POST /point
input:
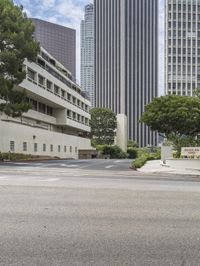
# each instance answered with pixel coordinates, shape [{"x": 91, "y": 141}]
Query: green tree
[
  {"x": 177, "y": 117},
  {"x": 132, "y": 144},
  {"x": 16, "y": 44},
  {"x": 173, "y": 114},
  {"x": 103, "y": 125}
]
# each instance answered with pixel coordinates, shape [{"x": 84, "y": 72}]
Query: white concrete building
[
  {"x": 182, "y": 46},
  {"x": 58, "y": 122},
  {"x": 87, "y": 52}
]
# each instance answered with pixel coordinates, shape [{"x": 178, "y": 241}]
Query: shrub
[
  {"x": 139, "y": 162},
  {"x": 132, "y": 153},
  {"x": 114, "y": 152},
  {"x": 146, "y": 154}
]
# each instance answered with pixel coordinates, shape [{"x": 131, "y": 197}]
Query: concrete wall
[
  {"x": 19, "y": 133},
  {"x": 121, "y": 139}
]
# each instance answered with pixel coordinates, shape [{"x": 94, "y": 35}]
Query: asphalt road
[{"x": 96, "y": 215}]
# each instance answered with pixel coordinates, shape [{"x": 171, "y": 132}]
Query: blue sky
[{"x": 70, "y": 12}]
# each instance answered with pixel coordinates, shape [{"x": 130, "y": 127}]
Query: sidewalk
[{"x": 156, "y": 167}]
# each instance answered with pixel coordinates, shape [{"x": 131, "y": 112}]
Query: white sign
[{"x": 190, "y": 151}]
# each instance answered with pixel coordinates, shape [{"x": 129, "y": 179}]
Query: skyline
[{"x": 70, "y": 13}]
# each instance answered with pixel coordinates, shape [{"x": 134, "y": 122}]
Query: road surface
[{"x": 96, "y": 213}]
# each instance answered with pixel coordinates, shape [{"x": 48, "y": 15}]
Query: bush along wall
[{"x": 144, "y": 155}]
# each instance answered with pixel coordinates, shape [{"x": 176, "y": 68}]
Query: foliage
[
  {"x": 197, "y": 92},
  {"x": 114, "y": 152},
  {"x": 173, "y": 114},
  {"x": 132, "y": 144},
  {"x": 20, "y": 156},
  {"x": 139, "y": 162},
  {"x": 132, "y": 153},
  {"x": 183, "y": 141},
  {"x": 16, "y": 44},
  {"x": 103, "y": 125},
  {"x": 146, "y": 154}
]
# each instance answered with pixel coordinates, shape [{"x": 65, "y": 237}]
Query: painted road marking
[
  {"x": 109, "y": 166},
  {"x": 3, "y": 177},
  {"x": 49, "y": 180}
]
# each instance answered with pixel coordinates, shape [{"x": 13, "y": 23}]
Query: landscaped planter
[{"x": 183, "y": 164}]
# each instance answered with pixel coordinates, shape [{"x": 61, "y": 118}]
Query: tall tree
[
  {"x": 173, "y": 114},
  {"x": 103, "y": 125},
  {"x": 16, "y": 44}
]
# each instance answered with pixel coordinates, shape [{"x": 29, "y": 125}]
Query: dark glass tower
[
  {"x": 59, "y": 41},
  {"x": 126, "y": 60}
]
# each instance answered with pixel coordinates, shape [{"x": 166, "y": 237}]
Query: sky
[{"x": 70, "y": 12}]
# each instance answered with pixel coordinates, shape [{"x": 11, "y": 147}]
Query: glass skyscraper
[
  {"x": 87, "y": 52},
  {"x": 59, "y": 41},
  {"x": 126, "y": 60}
]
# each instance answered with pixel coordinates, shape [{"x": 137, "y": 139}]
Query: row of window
[
  {"x": 77, "y": 117},
  {"x": 183, "y": 59},
  {"x": 45, "y": 109},
  {"x": 44, "y": 147},
  {"x": 184, "y": 51},
  {"x": 40, "y": 107},
  {"x": 53, "y": 88},
  {"x": 184, "y": 86},
  {"x": 183, "y": 34},
  {"x": 183, "y": 24},
  {"x": 184, "y": 7},
  {"x": 182, "y": 42}
]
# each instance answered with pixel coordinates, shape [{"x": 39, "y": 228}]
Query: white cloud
[{"x": 48, "y": 3}]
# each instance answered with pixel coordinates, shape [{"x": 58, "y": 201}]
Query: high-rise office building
[
  {"x": 87, "y": 52},
  {"x": 182, "y": 46},
  {"x": 59, "y": 41},
  {"x": 126, "y": 60}
]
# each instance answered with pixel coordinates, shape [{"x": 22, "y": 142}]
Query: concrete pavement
[
  {"x": 153, "y": 167},
  {"x": 60, "y": 216}
]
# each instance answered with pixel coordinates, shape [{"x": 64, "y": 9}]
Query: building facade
[
  {"x": 126, "y": 60},
  {"x": 87, "y": 52},
  {"x": 58, "y": 122},
  {"x": 59, "y": 41},
  {"x": 182, "y": 46}
]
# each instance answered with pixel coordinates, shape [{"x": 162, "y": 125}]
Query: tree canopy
[
  {"x": 103, "y": 125},
  {"x": 16, "y": 44},
  {"x": 173, "y": 114}
]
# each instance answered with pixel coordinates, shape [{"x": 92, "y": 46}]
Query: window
[
  {"x": 35, "y": 147},
  {"x": 51, "y": 148},
  {"x": 63, "y": 93},
  {"x": 24, "y": 146},
  {"x": 31, "y": 74},
  {"x": 76, "y": 149},
  {"x": 41, "y": 80},
  {"x": 65, "y": 148},
  {"x": 74, "y": 100},
  {"x": 12, "y": 146},
  {"x": 68, "y": 113},
  {"x": 42, "y": 108},
  {"x": 56, "y": 89},
  {"x": 44, "y": 147},
  {"x": 68, "y": 97},
  {"x": 49, "y": 111},
  {"x": 49, "y": 85},
  {"x": 70, "y": 148},
  {"x": 33, "y": 104},
  {"x": 58, "y": 148}
]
